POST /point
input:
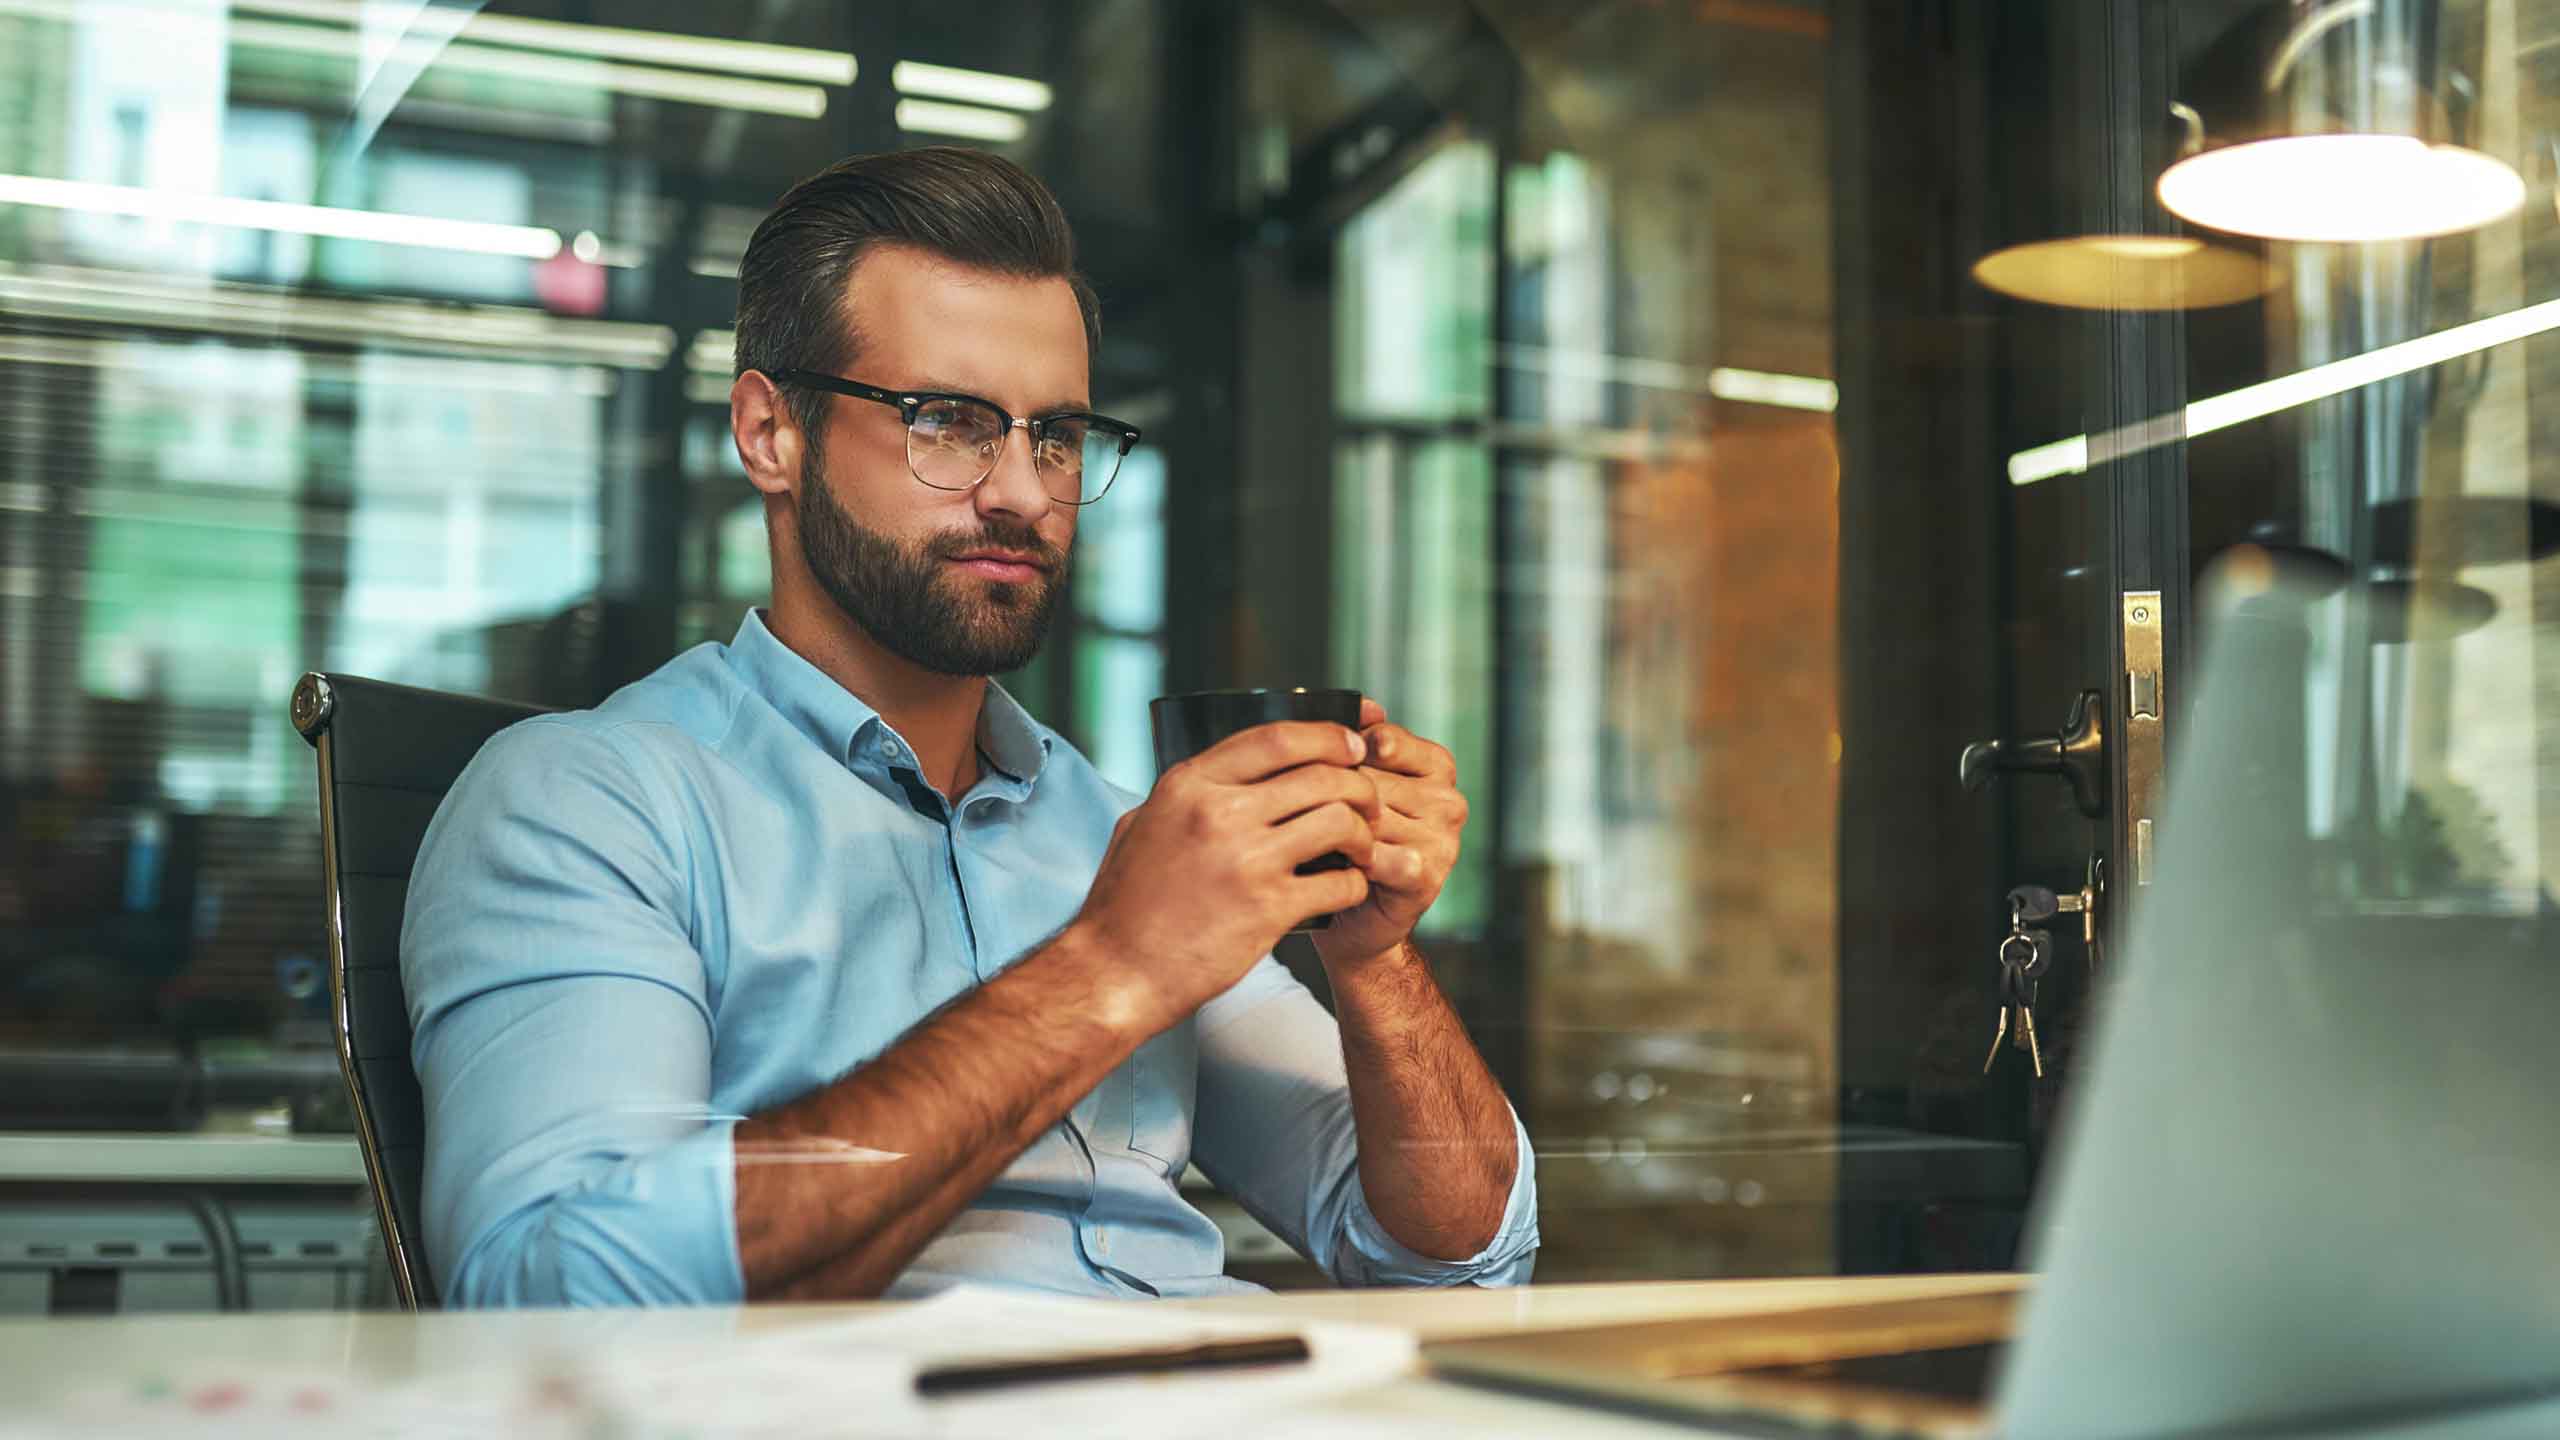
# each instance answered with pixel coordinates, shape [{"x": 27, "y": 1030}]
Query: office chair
[{"x": 387, "y": 755}]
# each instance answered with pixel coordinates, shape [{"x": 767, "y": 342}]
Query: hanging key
[
  {"x": 2024, "y": 954},
  {"x": 2021, "y": 950},
  {"x": 2009, "y": 983},
  {"x": 2027, "y": 1027},
  {"x": 2023, "y": 958}
]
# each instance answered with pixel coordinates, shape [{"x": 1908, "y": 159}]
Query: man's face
[{"x": 959, "y": 583}]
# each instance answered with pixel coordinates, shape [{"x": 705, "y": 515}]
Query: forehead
[{"x": 918, "y": 317}]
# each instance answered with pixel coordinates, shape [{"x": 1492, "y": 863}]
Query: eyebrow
[{"x": 1060, "y": 407}]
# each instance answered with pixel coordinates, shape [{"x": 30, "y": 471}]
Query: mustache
[{"x": 1000, "y": 534}]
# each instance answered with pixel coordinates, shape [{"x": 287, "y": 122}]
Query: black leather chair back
[{"x": 387, "y": 755}]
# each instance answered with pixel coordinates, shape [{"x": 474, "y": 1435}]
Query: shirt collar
[
  {"x": 1013, "y": 743},
  {"x": 838, "y": 721}
]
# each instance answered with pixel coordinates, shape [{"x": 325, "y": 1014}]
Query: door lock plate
[{"x": 2145, "y": 717}]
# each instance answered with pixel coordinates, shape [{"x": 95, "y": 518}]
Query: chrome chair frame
[{"x": 371, "y": 1030}]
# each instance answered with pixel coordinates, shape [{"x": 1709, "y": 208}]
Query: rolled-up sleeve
[
  {"x": 563, "y": 1037},
  {"x": 1275, "y": 1132}
]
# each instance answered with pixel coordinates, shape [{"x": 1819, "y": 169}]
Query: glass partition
[{"x": 1742, "y": 431}]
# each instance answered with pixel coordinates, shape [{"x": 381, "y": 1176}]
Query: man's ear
[{"x": 767, "y": 434}]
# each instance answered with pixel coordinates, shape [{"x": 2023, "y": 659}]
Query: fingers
[
  {"x": 1394, "y": 748},
  {"x": 1295, "y": 792},
  {"x": 1266, "y": 750},
  {"x": 1329, "y": 892},
  {"x": 1372, "y": 714},
  {"x": 1433, "y": 800},
  {"x": 1430, "y": 848},
  {"x": 1332, "y": 829},
  {"x": 1396, "y": 867}
]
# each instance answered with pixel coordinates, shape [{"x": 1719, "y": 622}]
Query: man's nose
[{"x": 1015, "y": 486}]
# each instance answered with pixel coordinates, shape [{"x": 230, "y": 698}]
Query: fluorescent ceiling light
[
  {"x": 658, "y": 47},
  {"x": 557, "y": 37},
  {"x": 933, "y": 117},
  {"x": 2221, "y": 412},
  {"x": 531, "y": 242},
  {"x": 377, "y": 368},
  {"x": 2044, "y": 462},
  {"x": 970, "y": 87},
  {"x": 1747, "y": 387},
  {"x": 802, "y": 102},
  {"x": 1759, "y": 387},
  {"x": 2342, "y": 188},
  {"x": 153, "y": 303},
  {"x": 1593, "y": 365}
]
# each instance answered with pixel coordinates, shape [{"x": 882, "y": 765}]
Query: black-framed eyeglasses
[{"x": 953, "y": 440}]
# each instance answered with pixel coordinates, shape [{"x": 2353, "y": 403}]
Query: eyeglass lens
[{"x": 952, "y": 444}]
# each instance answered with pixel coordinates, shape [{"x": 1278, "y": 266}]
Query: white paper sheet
[{"x": 849, "y": 1377}]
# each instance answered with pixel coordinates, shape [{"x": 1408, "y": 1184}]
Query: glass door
[{"x": 1791, "y": 452}]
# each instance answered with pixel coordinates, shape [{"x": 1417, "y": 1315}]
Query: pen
[{"x": 1209, "y": 1355}]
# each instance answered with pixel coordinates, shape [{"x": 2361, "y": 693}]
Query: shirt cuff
[
  {"x": 660, "y": 1228},
  {"x": 1378, "y": 1258}
]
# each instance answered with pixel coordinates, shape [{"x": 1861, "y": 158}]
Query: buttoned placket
[
  {"x": 903, "y": 767},
  {"x": 892, "y": 754}
]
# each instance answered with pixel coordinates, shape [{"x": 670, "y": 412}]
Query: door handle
[{"x": 2078, "y": 753}]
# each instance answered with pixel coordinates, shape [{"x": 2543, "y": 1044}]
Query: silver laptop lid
[{"x": 2313, "y": 1175}]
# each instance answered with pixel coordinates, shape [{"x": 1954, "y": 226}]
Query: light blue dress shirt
[{"x": 728, "y": 886}]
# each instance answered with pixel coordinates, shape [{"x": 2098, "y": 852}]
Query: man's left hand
[{"x": 1420, "y": 816}]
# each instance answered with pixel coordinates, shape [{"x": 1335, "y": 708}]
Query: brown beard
[{"x": 902, "y": 597}]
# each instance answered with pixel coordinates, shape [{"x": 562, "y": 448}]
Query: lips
[{"x": 1001, "y": 565}]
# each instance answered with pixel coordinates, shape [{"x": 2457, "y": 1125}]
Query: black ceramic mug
[{"x": 1185, "y": 725}]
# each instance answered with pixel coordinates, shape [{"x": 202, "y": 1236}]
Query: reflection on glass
[{"x": 1612, "y": 397}]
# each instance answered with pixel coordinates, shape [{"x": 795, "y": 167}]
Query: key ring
[{"x": 2017, "y": 967}]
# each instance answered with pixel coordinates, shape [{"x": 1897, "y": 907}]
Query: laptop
[{"x": 2310, "y": 1182}]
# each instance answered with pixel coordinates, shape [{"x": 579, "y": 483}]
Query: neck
[{"x": 936, "y": 714}]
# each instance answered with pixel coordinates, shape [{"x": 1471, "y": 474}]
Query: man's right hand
[{"x": 1201, "y": 880}]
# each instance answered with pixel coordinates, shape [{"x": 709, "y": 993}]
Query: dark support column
[
  {"x": 1920, "y": 498},
  {"x": 1501, "y": 1003},
  {"x": 1203, "y": 499}
]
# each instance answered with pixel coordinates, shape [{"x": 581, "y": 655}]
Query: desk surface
[{"x": 41, "y": 1360}]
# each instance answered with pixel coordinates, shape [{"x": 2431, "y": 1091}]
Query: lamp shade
[
  {"x": 2342, "y": 188},
  {"x": 2127, "y": 272},
  {"x": 2359, "y": 125}
]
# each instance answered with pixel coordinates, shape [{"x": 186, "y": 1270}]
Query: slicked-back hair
[{"x": 965, "y": 206}]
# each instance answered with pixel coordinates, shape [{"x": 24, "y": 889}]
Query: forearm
[
  {"x": 1437, "y": 1151},
  {"x": 838, "y": 1190}
]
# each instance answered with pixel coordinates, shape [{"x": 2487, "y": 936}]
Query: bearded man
[{"x": 811, "y": 966}]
